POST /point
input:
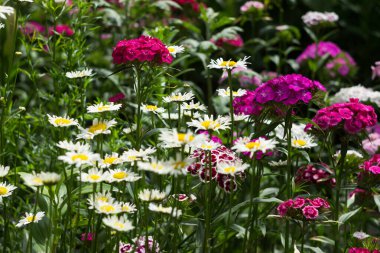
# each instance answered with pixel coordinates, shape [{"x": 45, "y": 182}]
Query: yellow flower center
[
  {"x": 230, "y": 169},
  {"x": 228, "y": 64},
  {"x": 102, "y": 199},
  {"x": 3, "y": 190},
  {"x": 119, "y": 225},
  {"x": 103, "y": 108},
  {"x": 126, "y": 209},
  {"x": 30, "y": 218},
  {"x": 210, "y": 124},
  {"x": 156, "y": 166},
  {"x": 120, "y": 175},
  {"x": 98, "y": 127},
  {"x": 82, "y": 157},
  {"x": 151, "y": 107},
  {"x": 182, "y": 137},
  {"x": 109, "y": 160},
  {"x": 299, "y": 142},
  {"x": 107, "y": 208},
  {"x": 132, "y": 158},
  {"x": 62, "y": 121},
  {"x": 176, "y": 97},
  {"x": 171, "y": 49},
  {"x": 179, "y": 165},
  {"x": 252, "y": 144},
  {"x": 94, "y": 177},
  {"x": 37, "y": 180},
  {"x": 206, "y": 146}
]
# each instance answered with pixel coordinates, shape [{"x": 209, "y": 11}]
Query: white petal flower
[
  {"x": 6, "y": 190},
  {"x": 29, "y": 218},
  {"x": 178, "y": 97},
  {"x": 137, "y": 155},
  {"x": 70, "y": 146},
  {"x": 6, "y": 10},
  {"x": 155, "y": 166},
  {"x": 104, "y": 197},
  {"x": 171, "y": 138},
  {"x": 231, "y": 168},
  {"x": 313, "y": 18},
  {"x": 79, "y": 158},
  {"x": 208, "y": 123},
  {"x": 103, "y": 107},
  {"x": 360, "y": 92},
  {"x": 151, "y": 195},
  {"x": 245, "y": 144},
  {"x": 64, "y": 121},
  {"x": 79, "y": 73},
  {"x": 168, "y": 210},
  {"x": 222, "y": 64},
  {"x": 119, "y": 175},
  {"x": 4, "y": 170},
  {"x": 110, "y": 160},
  {"x": 32, "y": 179},
  {"x": 360, "y": 235},
  {"x": 121, "y": 224},
  {"x": 193, "y": 106},
  {"x": 93, "y": 176},
  {"x": 173, "y": 50},
  {"x": 128, "y": 207},
  {"x": 152, "y": 108},
  {"x": 98, "y": 127},
  {"x": 226, "y": 92},
  {"x": 207, "y": 145},
  {"x": 50, "y": 178},
  {"x": 110, "y": 207}
]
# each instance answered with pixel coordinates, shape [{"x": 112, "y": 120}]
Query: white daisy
[
  {"x": 207, "y": 145},
  {"x": 173, "y": 50},
  {"x": 2, "y": 25},
  {"x": 111, "y": 207},
  {"x": 110, "y": 160},
  {"x": 245, "y": 144},
  {"x": 94, "y": 175},
  {"x": 64, "y": 121},
  {"x": 79, "y": 158},
  {"x": 168, "y": 210},
  {"x": 79, "y": 73},
  {"x": 127, "y": 207},
  {"x": 350, "y": 152},
  {"x": 178, "y": 166},
  {"x": 151, "y": 195},
  {"x": 98, "y": 127},
  {"x": 231, "y": 168},
  {"x": 70, "y": 146},
  {"x": 226, "y": 92},
  {"x": 171, "y": 138},
  {"x": 6, "y": 190},
  {"x": 178, "y": 97},
  {"x": 154, "y": 166},
  {"x": 222, "y": 64},
  {"x": 6, "y": 10},
  {"x": 29, "y": 218},
  {"x": 129, "y": 130},
  {"x": 32, "y": 179},
  {"x": 238, "y": 117},
  {"x": 208, "y": 123},
  {"x": 4, "y": 170},
  {"x": 103, "y": 107},
  {"x": 50, "y": 178},
  {"x": 194, "y": 115},
  {"x": 137, "y": 155},
  {"x": 193, "y": 106},
  {"x": 104, "y": 197},
  {"x": 119, "y": 175},
  {"x": 152, "y": 108},
  {"x": 278, "y": 163},
  {"x": 121, "y": 224},
  {"x": 303, "y": 141}
]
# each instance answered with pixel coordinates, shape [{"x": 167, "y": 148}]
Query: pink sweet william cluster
[
  {"x": 354, "y": 116},
  {"x": 237, "y": 41},
  {"x": 62, "y": 30},
  {"x": 302, "y": 208},
  {"x": 201, "y": 169},
  {"x": 362, "y": 250},
  {"x": 142, "y": 49},
  {"x": 194, "y": 4},
  {"x": 341, "y": 63},
  {"x": 139, "y": 245},
  {"x": 251, "y": 6},
  {"x": 372, "y": 165},
  {"x": 317, "y": 174}
]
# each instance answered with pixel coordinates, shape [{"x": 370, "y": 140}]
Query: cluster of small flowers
[
  {"x": 245, "y": 77},
  {"x": 376, "y": 70},
  {"x": 341, "y": 63},
  {"x": 302, "y": 208},
  {"x": 314, "y": 18},
  {"x": 372, "y": 143},
  {"x": 362, "y": 250},
  {"x": 33, "y": 27},
  {"x": 236, "y": 41},
  {"x": 142, "y": 49},
  {"x": 372, "y": 165},
  {"x": 220, "y": 155},
  {"x": 138, "y": 245},
  {"x": 360, "y": 92},
  {"x": 312, "y": 174},
  {"x": 354, "y": 115},
  {"x": 251, "y": 6}
]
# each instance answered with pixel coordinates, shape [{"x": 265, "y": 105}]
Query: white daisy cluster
[
  {"x": 208, "y": 123},
  {"x": 151, "y": 195},
  {"x": 299, "y": 138},
  {"x": 178, "y": 97},
  {"x": 226, "y": 92},
  {"x": 314, "y": 18},
  {"x": 360, "y": 92},
  {"x": 251, "y": 146}
]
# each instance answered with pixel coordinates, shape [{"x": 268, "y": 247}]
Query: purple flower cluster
[
  {"x": 237, "y": 41},
  {"x": 354, "y": 116},
  {"x": 201, "y": 169},
  {"x": 300, "y": 208},
  {"x": 284, "y": 90},
  {"x": 314, "y": 175},
  {"x": 341, "y": 63},
  {"x": 139, "y": 245}
]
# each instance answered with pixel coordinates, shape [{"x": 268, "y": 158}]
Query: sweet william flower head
[
  {"x": 103, "y": 107},
  {"x": 64, "y": 121},
  {"x": 30, "y": 218},
  {"x": 310, "y": 212},
  {"x": 228, "y": 65},
  {"x": 61, "y": 29}
]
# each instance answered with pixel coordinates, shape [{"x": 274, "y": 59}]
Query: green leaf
[
  {"x": 343, "y": 218},
  {"x": 322, "y": 239},
  {"x": 376, "y": 198}
]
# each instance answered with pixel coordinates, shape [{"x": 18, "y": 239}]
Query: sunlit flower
[
  {"x": 103, "y": 107},
  {"x": 70, "y": 146},
  {"x": 178, "y": 97},
  {"x": 222, "y": 64},
  {"x": 32, "y": 179},
  {"x": 238, "y": 117},
  {"x": 98, "y": 127},
  {"x": 131, "y": 129},
  {"x": 64, "y": 121},
  {"x": 119, "y": 175},
  {"x": 128, "y": 207},
  {"x": 193, "y": 106},
  {"x": 110, "y": 207},
  {"x": 226, "y": 92},
  {"x": 6, "y": 10},
  {"x": 169, "y": 210},
  {"x": 173, "y": 50},
  {"x": 247, "y": 145},
  {"x": 50, "y": 178},
  {"x": 104, "y": 197},
  {"x": 4, "y": 170},
  {"x": 208, "y": 123},
  {"x": 231, "y": 168},
  {"x": 79, "y": 73},
  {"x": 152, "y": 108},
  {"x": 80, "y": 157},
  {"x": 151, "y": 195},
  {"x": 137, "y": 155},
  {"x": 178, "y": 166},
  {"x": 29, "y": 218},
  {"x": 207, "y": 145},
  {"x": 110, "y": 160},
  {"x": 360, "y": 235},
  {"x": 278, "y": 163},
  {"x": 171, "y": 138},
  {"x": 93, "y": 176},
  {"x": 121, "y": 224},
  {"x": 6, "y": 190},
  {"x": 303, "y": 141},
  {"x": 154, "y": 166}
]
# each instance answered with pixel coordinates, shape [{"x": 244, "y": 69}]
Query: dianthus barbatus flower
[
  {"x": 301, "y": 208},
  {"x": 314, "y": 18},
  {"x": 352, "y": 116},
  {"x": 142, "y": 49}
]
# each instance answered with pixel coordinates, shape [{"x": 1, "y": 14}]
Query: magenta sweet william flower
[
  {"x": 87, "y": 236},
  {"x": 310, "y": 212},
  {"x": 359, "y": 250},
  {"x": 353, "y": 116},
  {"x": 61, "y": 29},
  {"x": 32, "y": 27},
  {"x": 251, "y": 6},
  {"x": 299, "y": 203},
  {"x": 237, "y": 41},
  {"x": 282, "y": 209},
  {"x": 319, "y": 202},
  {"x": 372, "y": 165},
  {"x": 142, "y": 49},
  {"x": 194, "y": 4},
  {"x": 119, "y": 96},
  {"x": 315, "y": 174}
]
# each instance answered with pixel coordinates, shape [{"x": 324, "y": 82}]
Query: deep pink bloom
[
  {"x": 319, "y": 202},
  {"x": 310, "y": 212},
  {"x": 32, "y": 27},
  {"x": 251, "y": 6},
  {"x": 284, "y": 206},
  {"x": 372, "y": 165},
  {"x": 87, "y": 236},
  {"x": 61, "y": 29},
  {"x": 299, "y": 202},
  {"x": 117, "y": 97},
  {"x": 315, "y": 174},
  {"x": 194, "y": 4},
  {"x": 235, "y": 42},
  {"x": 359, "y": 250},
  {"x": 142, "y": 49}
]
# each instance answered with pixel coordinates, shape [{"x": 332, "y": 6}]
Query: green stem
[
  {"x": 288, "y": 175},
  {"x": 231, "y": 106}
]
